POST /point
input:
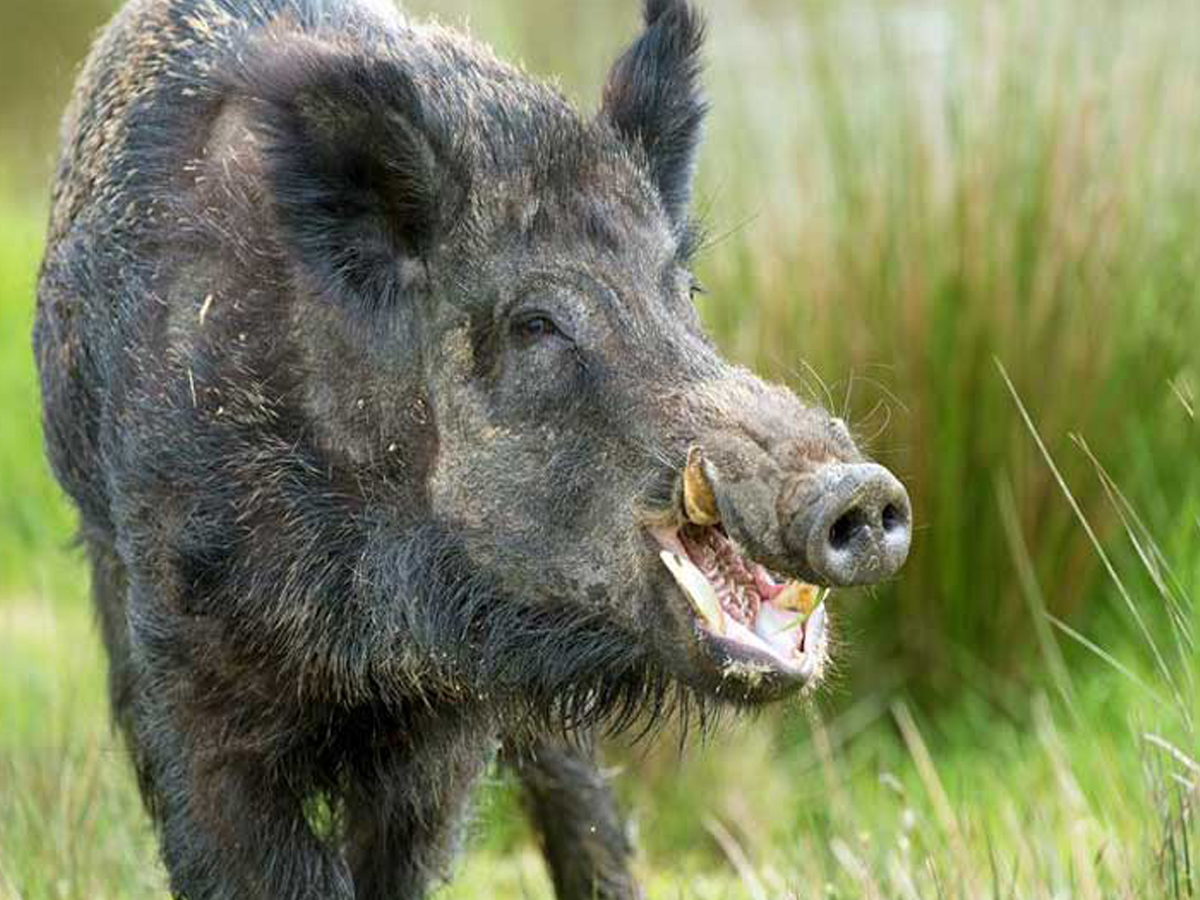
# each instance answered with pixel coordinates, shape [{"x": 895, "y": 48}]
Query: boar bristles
[
  {"x": 653, "y": 98},
  {"x": 655, "y": 9},
  {"x": 541, "y": 667}
]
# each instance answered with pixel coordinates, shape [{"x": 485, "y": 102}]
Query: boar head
[{"x": 500, "y": 303}]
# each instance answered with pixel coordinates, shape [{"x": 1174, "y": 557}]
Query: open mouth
[
  {"x": 752, "y": 615},
  {"x": 758, "y": 622}
]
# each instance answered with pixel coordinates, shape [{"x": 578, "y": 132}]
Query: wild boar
[{"x": 373, "y": 369}]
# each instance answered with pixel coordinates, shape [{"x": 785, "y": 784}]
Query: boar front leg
[
  {"x": 232, "y": 825},
  {"x": 229, "y": 829},
  {"x": 406, "y": 801},
  {"x": 582, "y": 833}
]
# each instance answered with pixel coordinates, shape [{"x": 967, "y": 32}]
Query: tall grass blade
[
  {"x": 1099, "y": 651},
  {"x": 1164, "y": 670},
  {"x": 1038, "y": 615}
]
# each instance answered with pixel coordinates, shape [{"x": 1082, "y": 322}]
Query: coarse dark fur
[{"x": 366, "y": 360}]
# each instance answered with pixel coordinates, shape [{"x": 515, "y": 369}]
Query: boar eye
[{"x": 534, "y": 327}]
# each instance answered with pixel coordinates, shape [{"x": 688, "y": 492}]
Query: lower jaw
[
  {"x": 735, "y": 658},
  {"x": 733, "y": 675}
]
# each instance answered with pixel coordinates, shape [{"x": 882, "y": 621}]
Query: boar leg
[
  {"x": 405, "y": 807},
  {"x": 109, "y": 587},
  {"x": 575, "y": 814},
  {"x": 231, "y": 824},
  {"x": 229, "y": 830}
]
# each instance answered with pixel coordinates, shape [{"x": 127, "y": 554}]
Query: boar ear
[
  {"x": 653, "y": 98},
  {"x": 362, "y": 183}
]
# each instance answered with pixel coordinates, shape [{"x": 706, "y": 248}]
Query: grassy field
[{"x": 971, "y": 228}]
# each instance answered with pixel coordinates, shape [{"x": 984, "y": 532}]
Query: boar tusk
[
  {"x": 699, "y": 502},
  {"x": 697, "y": 588}
]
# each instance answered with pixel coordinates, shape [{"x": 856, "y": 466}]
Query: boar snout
[
  {"x": 851, "y": 522},
  {"x": 840, "y": 523}
]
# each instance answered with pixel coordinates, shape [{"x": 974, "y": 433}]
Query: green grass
[
  {"x": 1045, "y": 801},
  {"x": 900, "y": 198}
]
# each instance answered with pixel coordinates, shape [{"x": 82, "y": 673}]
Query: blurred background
[{"x": 973, "y": 229}]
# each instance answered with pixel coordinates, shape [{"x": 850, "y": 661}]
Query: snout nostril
[
  {"x": 842, "y": 532},
  {"x": 851, "y": 525},
  {"x": 893, "y": 517}
]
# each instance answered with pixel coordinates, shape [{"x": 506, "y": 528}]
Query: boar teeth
[
  {"x": 798, "y": 596},
  {"x": 697, "y": 588},
  {"x": 699, "y": 503}
]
